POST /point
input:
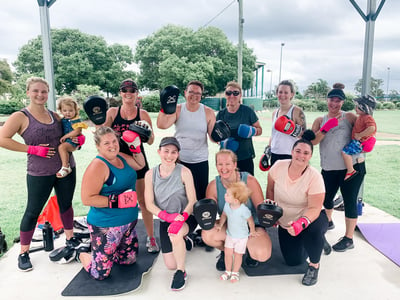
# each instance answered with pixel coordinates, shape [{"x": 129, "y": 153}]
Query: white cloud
[{"x": 323, "y": 39}]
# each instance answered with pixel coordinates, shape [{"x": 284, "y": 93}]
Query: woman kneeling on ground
[
  {"x": 259, "y": 246},
  {"x": 108, "y": 187},
  {"x": 170, "y": 195}
]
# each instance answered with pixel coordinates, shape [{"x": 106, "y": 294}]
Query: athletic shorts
[{"x": 238, "y": 245}]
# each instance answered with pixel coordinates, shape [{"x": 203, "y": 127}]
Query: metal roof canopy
[{"x": 369, "y": 18}]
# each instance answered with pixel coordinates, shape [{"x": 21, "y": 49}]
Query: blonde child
[
  {"x": 72, "y": 127},
  {"x": 363, "y": 139},
  {"x": 239, "y": 220}
]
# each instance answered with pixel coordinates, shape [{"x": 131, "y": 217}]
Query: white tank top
[
  {"x": 282, "y": 143},
  {"x": 191, "y": 132}
]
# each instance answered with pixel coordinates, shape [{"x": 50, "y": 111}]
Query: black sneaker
[
  {"x": 24, "y": 262},
  {"x": 331, "y": 225},
  {"x": 82, "y": 249},
  {"x": 73, "y": 243},
  {"x": 220, "y": 265},
  {"x": 311, "y": 276},
  {"x": 327, "y": 247},
  {"x": 337, "y": 201},
  {"x": 189, "y": 243},
  {"x": 343, "y": 244},
  {"x": 179, "y": 280}
]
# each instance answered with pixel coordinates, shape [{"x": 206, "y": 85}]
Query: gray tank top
[
  {"x": 191, "y": 132},
  {"x": 331, "y": 146},
  {"x": 169, "y": 192}
]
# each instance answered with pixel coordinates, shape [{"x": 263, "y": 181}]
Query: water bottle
[
  {"x": 48, "y": 242},
  {"x": 359, "y": 206}
]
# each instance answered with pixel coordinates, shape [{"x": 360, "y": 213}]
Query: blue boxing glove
[
  {"x": 230, "y": 144},
  {"x": 246, "y": 131}
]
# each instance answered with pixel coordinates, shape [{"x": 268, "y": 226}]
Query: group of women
[{"x": 168, "y": 190}]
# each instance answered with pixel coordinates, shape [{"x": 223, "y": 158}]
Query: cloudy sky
[{"x": 322, "y": 39}]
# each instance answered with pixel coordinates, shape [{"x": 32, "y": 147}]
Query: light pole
[
  {"x": 270, "y": 83},
  {"x": 388, "y": 79},
  {"x": 280, "y": 64}
]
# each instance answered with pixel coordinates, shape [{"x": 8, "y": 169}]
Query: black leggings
[
  {"x": 246, "y": 165},
  {"x": 200, "y": 177},
  {"x": 39, "y": 189},
  {"x": 275, "y": 157},
  {"x": 309, "y": 242},
  {"x": 166, "y": 246},
  {"x": 335, "y": 179}
]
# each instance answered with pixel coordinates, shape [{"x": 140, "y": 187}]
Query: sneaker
[
  {"x": 311, "y": 276},
  {"x": 151, "y": 245},
  {"x": 343, "y": 244},
  {"x": 249, "y": 262},
  {"x": 189, "y": 243},
  {"x": 220, "y": 265},
  {"x": 327, "y": 247},
  {"x": 340, "y": 207},
  {"x": 83, "y": 249},
  {"x": 73, "y": 243},
  {"x": 337, "y": 201},
  {"x": 24, "y": 262},
  {"x": 179, "y": 280},
  {"x": 331, "y": 225}
]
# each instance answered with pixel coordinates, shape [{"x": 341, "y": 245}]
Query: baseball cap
[
  {"x": 336, "y": 93},
  {"x": 128, "y": 83},
  {"x": 170, "y": 140}
]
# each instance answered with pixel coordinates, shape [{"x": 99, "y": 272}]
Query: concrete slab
[{"x": 360, "y": 273}]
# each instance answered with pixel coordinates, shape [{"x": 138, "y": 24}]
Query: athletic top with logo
[
  {"x": 38, "y": 133},
  {"x": 119, "y": 181},
  {"x": 221, "y": 190},
  {"x": 282, "y": 143},
  {"x": 244, "y": 115},
  {"x": 330, "y": 147},
  {"x": 169, "y": 192},
  {"x": 191, "y": 133}
]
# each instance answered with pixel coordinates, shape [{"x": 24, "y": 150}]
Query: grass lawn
[{"x": 381, "y": 186}]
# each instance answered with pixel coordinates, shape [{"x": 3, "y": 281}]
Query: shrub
[
  {"x": 389, "y": 105},
  {"x": 321, "y": 105},
  {"x": 151, "y": 102},
  {"x": 379, "y": 105},
  {"x": 9, "y": 106},
  {"x": 398, "y": 105},
  {"x": 348, "y": 105},
  {"x": 305, "y": 105}
]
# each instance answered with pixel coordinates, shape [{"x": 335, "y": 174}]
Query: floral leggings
[{"x": 112, "y": 245}]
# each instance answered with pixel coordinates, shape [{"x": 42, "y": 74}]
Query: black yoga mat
[
  {"x": 123, "y": 278},
  {"x": 276, "y": 264}
]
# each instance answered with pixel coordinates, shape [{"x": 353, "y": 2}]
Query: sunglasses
[
  {"x": 230, "y": 93},
  {"x": 125, "y": 90}
]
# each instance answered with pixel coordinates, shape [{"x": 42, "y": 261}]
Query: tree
[
  {"x": 78, "y": 58},
  {"x": 176, "y": 55},
  {"x": 376, "y": 91},
  {"x": 317, "y": 90},
  {"x": 6, "y": 77}
]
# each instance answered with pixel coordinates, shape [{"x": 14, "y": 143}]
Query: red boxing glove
[
  {"x": 163, "y": 215},
  {"x": 124, "y": 200},
  {"x": 331, "y": 123},
  {"x": 301, "y": 224},
  {"x": 81, "y": 139},
  {"x": 175, "y": 227},
  {"x": 286, "y": 125},
  {"x": 38, "y": 150},
  {"x": 132, "y": 139}
]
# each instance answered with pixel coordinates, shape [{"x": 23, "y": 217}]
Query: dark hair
[
  {"x": 306, "y": 138},
  {"x": 289, "y": 84},
  {"x": 196, "y": 82}
]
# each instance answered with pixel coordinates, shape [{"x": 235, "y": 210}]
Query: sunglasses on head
[
  {"x": 125, "y": 90},
  {"x": 230, "y": 93}
]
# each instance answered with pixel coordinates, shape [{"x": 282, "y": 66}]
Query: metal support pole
[
  {"x": 44, "y": 6},
  {"x": 240, "y": 43},
  {"x": 280, "y": 63}
]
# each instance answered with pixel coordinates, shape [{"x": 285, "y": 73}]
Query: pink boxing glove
[
  {"x": 185, "y": 216},
  {"x": 175, "y": 227},
  {"x": 163, "y": 215},
  {"x": 368, "y": 145},
  {"x": 81, "y": 139},
  {"x": 124, "y": 200},
  {"x": 38, "y": 150},
  {"x": 331, "y": 123},
  {"x": 301, "y": 224},
  {"x": 132, "y": 139}
]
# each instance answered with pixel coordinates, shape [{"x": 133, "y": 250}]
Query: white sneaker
[{"x": 151, "y": 245}]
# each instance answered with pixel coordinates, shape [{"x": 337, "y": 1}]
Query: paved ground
[{"x": 361, "y": 273}]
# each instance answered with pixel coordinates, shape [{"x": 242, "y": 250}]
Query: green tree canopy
[
  {"x": 317, "y": 90},
  {"x": 78, "y": 58},
  {"x": 376, "y": 90},
  {"x": 6, "y": 77},
  {"x": 176, "y": 55}
]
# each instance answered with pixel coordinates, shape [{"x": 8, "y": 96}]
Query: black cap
[
  {"x": 128, "y": 83},
  {"x": 336, "y": 93},
  {"x": 170, "y": 140}
]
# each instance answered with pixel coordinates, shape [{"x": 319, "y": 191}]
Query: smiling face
[
  {"x": 108, "y": 145},
  {"x": 232, "y": 95},
  {"x": 334, "y": 105},
  {"x": 169, "y": 154},
  {"x": 301, "y": 154},
  {"x": 193, "y": 94},
  {"x": 285, "y": 94},
  {"x": 226, "y": 166},
  {"x": 38, "y": 93},
  {"x": 68, "y": 111},
  {"x": 128, "y": 95}
]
